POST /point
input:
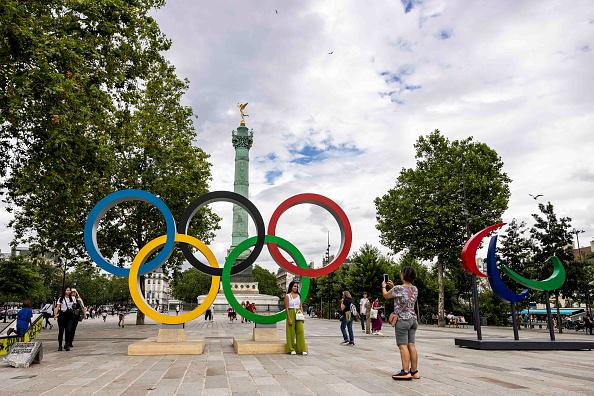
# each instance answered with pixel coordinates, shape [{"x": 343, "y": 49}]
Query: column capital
[{"x": 242, "y": 140}]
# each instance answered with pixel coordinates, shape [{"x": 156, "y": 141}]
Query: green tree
[
  {"x": 19, "y": 280},
  {"x": 366, "y": 272},
  {"x": 189, "y": 284},
  {"x": 516, "y": 248},
  {"x": 493, "y": 308},
  {"x": 330, "y": 288},
  {"x": 90, "y": 106},
  {"x": 553, "y": 238},
  {"x": 423, "y": 214},
  {"x": 67, "y": 68},
  {"x": 267, "y": 282}
]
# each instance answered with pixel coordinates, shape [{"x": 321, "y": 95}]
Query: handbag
[
  {"x": 373, "y": 313},
  {"x": 393, "y": 319},
  {"x": 299, "y": 315}
]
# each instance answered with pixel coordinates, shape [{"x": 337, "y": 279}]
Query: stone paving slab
[{"x": 99, "y": 365}]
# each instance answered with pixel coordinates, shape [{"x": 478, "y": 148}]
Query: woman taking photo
[
  {"x": 405, "y": 297},
  {"x": 295, "y": 332},
  {"x": 64, "y": 313},
  {"x": 346, "y": 318}
]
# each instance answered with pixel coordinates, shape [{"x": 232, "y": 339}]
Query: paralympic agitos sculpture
[
  {"x": 178, "y": 234},
  {"x": 554, "y": 282}
]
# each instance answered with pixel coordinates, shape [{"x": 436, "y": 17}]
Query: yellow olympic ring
[{"x": 134, "y": 281}]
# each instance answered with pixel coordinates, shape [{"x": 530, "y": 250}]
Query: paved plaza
[{"x": 99, "y": 365}]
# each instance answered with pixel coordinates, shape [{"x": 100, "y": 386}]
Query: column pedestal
[
  {"x": 171, "y": 340},
  {"x": 264, "y": 341}
]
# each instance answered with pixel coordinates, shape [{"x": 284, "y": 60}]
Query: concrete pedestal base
[
  {"x": 168, "y": 342},
  {"x": 264, "y": 341}
]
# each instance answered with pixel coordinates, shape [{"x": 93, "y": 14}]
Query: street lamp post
[
  {"x": 577, "y": 236},
  {"x": 474, "y": 278}
]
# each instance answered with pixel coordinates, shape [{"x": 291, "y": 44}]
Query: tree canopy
[{"x": 431, "y": 210}]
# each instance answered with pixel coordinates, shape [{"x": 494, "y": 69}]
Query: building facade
[{"x": 156, "y": 289}]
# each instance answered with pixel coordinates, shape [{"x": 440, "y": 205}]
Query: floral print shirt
[{"x": 404, "y": 301}]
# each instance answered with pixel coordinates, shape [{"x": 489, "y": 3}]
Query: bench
[{"x": 462, "y": 321}]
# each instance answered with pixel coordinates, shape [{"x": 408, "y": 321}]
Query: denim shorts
[{"x": 405, "y": 331}]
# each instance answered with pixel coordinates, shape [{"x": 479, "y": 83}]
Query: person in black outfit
[
  {"x": 64, "y": 313},
  {"x": 588, "y": 324},
  {"x": 346, "y": 318},
  {"x": 78, "y": 314}
]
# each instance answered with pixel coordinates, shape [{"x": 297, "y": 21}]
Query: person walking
[
  {"x": 346, "y": 318},
  {"x": 177, "y": 310},
  {"x": 243, "y": 305},
  {"x": 63, "y": 312},
  {"x": 78, "y": 313},
  {"x": 47, "y": 311},
  {"x": 405, "y": 297},
  {"x": 208, "y": 314},
  {"x": 368, "y": 318},
  {"x": 23, "y": 321},
  {"x": 588, "y": 325},
  {"x": 121, "y": 315},
  {"x": 104, "y": 314},
  {"x": 377, "y": 322},
  {"x": 295, "y": 333},
  {"x": 363, "y": 311},
  {"x": 232, "y": 315}
]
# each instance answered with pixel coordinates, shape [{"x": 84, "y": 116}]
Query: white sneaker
[
  {"x": 293, "y": 353},
  {"x": 380, "y": 333},
  {"x": 304, "y": 353}
]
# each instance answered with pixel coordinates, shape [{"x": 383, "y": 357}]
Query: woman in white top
[
  {"x": 64, "y": 313},
  {"x": 295, "y": 332}
]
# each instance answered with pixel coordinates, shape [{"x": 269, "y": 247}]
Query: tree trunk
[
  {"x": 140, "y": 315},
  {"x": 441, "y": 301},
  {"x": 558, "y": 314}
]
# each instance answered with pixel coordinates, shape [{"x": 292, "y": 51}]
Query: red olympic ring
[{"x": 338, "y": 214}]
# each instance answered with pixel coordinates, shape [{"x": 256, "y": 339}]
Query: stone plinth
[
  {"x": 169, "y": 341},
  {"x": 264, "y": 341}
]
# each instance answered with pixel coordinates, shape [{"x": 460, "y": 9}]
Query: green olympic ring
[
  {"x": 553, "y": 282},
  {"x": 226, "y": 278}
]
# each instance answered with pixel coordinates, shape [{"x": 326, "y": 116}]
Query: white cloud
[{"x": 517, "y": 76}]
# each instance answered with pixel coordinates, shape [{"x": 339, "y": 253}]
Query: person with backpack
[
  {"x": 346, "y": 319},
  {"x": 63, "y": 312},
  {"x": 405, "y": 297},
  {"x": 47, "y": 311},
  {"x": 295, "y": 334}
]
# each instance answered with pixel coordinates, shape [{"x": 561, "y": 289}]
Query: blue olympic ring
[{"x": 98, "y": 212}]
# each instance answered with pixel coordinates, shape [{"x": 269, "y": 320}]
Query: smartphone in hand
[{"x": 386, "y": 279}]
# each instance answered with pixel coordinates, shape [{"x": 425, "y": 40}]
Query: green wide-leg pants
[{"x": 295, "y": 334}]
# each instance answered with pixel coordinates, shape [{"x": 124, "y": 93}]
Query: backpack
[{"x": 354, "y": 312}]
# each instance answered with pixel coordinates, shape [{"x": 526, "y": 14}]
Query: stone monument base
[
  {"x": 264, "y": 341},
  {"x": 171, "y": 340}
]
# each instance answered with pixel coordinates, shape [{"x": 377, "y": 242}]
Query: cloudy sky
[{"x": 339, "y": 91}]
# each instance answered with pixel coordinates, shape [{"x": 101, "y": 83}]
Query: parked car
[{"x": 133, "y": 310}]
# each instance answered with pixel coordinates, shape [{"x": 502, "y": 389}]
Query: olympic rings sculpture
[{"x": 178, "y": 234}]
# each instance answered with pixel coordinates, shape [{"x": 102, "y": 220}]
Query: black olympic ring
[{"x": 225, "y": 196}]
